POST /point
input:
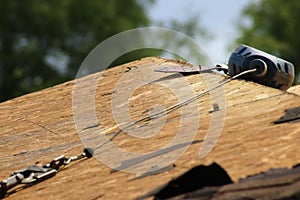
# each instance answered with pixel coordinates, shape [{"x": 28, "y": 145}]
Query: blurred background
[{"x": 42, "y": 43}]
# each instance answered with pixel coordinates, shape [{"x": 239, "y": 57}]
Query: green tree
[
  {"x": 42, "y": 42},
  {"x": 273, "y": 26},
  {"x": 190, "y": 27}
]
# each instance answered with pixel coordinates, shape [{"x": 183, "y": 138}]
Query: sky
[{"x": 216, "y": 16}]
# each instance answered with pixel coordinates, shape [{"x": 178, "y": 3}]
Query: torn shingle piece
[{"x": 291, "y": 115}]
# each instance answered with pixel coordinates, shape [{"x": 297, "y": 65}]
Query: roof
[
  {"x": 41, "y": 126},
  {"x": 295, "y": 89}
]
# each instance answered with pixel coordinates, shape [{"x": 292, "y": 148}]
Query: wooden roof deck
[{"x": 40, "y": 126}]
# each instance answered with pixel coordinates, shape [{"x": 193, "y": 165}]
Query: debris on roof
[
  {"x": 291, "y": 115},
  {"x": 196, "y": 178},
  {"x": 280, "y": 184}
]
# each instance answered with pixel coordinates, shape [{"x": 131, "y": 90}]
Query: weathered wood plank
[{"x": 41, "y": 125}]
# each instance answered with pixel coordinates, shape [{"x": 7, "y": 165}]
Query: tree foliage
[
  {"x": 274, "y": 27},
  {"x": 192, "y": 28},
  {"x": 42, "y": 42}
]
